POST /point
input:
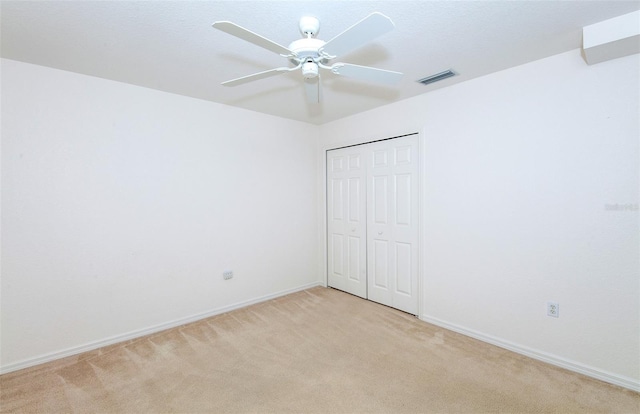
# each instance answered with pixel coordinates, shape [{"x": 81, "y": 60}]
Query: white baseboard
[
  {"x": 589, "y": 371},
  {"x": 145, "y": 331}
]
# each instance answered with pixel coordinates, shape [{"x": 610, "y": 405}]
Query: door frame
[{"x": 324, "y": 225}]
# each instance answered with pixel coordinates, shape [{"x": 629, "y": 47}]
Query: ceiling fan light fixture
[
  {"x": 310, "y": 69},
  {"x": 437, "y": 77}
]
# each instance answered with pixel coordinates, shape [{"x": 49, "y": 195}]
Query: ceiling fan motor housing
[
  {"x": 307, "y": 54},
  {"x": 307, "y": 47}
]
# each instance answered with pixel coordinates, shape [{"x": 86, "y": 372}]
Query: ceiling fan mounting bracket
[{"x": 309, "y": 26}]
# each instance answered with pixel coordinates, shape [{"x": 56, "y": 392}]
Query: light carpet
[{"x": 315, "y": 351}]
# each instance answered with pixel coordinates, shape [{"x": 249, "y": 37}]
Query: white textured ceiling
[{"x": 171, "y": 46}]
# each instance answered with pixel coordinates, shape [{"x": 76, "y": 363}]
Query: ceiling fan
[{"x": 310, "y": 54}]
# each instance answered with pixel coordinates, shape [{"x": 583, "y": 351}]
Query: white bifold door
[{"x": 372, "y": 218}]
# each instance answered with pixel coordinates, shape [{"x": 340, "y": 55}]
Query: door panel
[
  {"x": 338, "y": 254},
  {"x": 403, "y": 154},
  {"x": 393, "y": 162},
  {"x": 336, "y": 190},
  {"x": 354, "y": 199},
  {"x": 380, "y": 264},
  {"x": 346, "y": 221},
  {"x": 355, "y": 259},
  {"x": 354, "y": 161},
  {"x": 380, "y": 158},
  {"x": 403, "y": 268},
  {"x": 380, "y": 199},
  {"x": 403, "y": 199}
]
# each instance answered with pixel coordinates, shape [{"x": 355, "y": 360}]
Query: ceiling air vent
[{"x": 437, "y": 77}]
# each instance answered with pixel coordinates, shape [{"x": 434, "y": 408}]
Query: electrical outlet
[
  {"x": 227, "y": 274},
  {"x": 553, "y": 309}
]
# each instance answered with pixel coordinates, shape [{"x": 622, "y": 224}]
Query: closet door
[
  {"x": 346, "y": 220},
  {"x": 392, "y": 223}
]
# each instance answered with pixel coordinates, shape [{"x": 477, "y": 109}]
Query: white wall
[
  {"x": 520, "y": 168},
  {"x": 121, "y": 207}
]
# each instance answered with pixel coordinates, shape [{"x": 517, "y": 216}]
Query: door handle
[{"x": 380, "y": 233}]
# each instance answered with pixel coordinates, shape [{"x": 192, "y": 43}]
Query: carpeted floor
[{"x": 316, "y": 351}]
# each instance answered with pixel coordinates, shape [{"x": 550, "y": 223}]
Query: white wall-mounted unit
[{"x": 611, "y": 39}]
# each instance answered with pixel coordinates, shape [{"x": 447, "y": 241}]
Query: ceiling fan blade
[
  {"x": 255, "y": 76},
  {"x": 365, "y": 30},
  {"x": 244, "y": 34},
  {"x": 312, "y": 89},
  {"x": 366, "y": 73}
]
